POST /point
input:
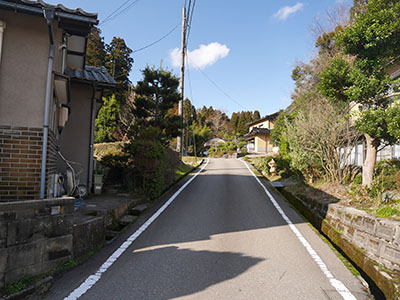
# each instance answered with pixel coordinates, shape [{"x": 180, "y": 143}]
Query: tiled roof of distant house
[
  {"x": 257, "y": 131},
  {"x": 269, "y": 117}
]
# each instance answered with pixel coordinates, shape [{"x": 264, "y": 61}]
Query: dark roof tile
[
  {"x": 257, "y": 131},
  {"x": 92, "y": 74},
  {"x": 41, "y": 3}
]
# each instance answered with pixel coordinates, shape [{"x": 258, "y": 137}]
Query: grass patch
[
  {"x": 191, "y": 160},
  {"x": 20, "y": 285},
  {"x": 387, "y": 212},
  {"x": 182, "y": 170}
]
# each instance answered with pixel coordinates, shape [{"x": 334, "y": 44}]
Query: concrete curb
[{"x": 28, "y": 291}]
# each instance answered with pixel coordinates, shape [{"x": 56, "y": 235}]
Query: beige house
[
  {"x": 49, "y": 98},
  {"x": 259, "y": 136}
]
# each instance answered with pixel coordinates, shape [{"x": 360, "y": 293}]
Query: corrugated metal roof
[
  {"x": 41, "y": 3},
  {"x": 92, "y": 74}
]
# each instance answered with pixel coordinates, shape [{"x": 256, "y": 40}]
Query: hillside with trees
[{"x": 345, "y": 97}]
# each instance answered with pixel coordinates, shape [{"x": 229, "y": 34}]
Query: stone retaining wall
[
  {"x": 372, "y": 243},
  {"x": 35, "y": 237},
  {"x": 380, "y": 238}
]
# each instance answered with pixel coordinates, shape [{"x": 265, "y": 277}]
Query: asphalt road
[{"x": 221, "y": 238}]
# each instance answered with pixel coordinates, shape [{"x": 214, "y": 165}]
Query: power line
[
  {"x": 105, "y": 19},
  {"x": 189, "y": 25},
  {"x": 159, "y": 40},
  {"x": 221, "y": 90},
  {"x": 190, "y": 81},
  {"x": 118, "y": 11}
]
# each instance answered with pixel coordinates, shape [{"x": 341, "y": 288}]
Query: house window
[{"x": 261, "y": 126}]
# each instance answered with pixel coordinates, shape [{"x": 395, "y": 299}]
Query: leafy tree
[
  {"x": 201, "y": 134},
  {"x": 279, "y": 133},
  {"x": 106, "y": 121},
  {"x": 373, "y": 40},
  {"x": 116, "y": 58},
  {"x": 393, "y": 117},
  {"x": 155, "y": 96},
  {"x": 335, "y": 80}
]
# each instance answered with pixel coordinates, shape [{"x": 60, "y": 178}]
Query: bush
[
  {"x": 282, "y": 165},
  {"x": 171, "y": 165},
  {"x": 218, "y": 154},
  {"x": 117, "y": 168},
  {"x": 149, "y": 160},
  {"x": 398, "y": 180},
  {"x": 357, "y": 180},
  {"x": 386, "y": 174}
]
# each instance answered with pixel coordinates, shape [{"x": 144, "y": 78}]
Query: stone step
[
  {"x": 137, "y": 210},
  {"x": 277, "y": 184},
  {"x": 126, "y": 220}
]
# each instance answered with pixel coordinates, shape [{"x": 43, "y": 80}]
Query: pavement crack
[
  {"x": 326, "y": 294},
  {"x": 284, "y": 273}
]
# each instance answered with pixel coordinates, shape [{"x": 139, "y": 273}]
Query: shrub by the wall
[
  {"x": 149, "y": 159},
  {"x": 171, "y": 165}
]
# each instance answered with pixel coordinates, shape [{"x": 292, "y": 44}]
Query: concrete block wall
[
  {"x": 35, "y": 236},
  {"x": 378, "y": 237}
]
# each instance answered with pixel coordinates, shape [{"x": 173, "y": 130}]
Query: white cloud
[
  {"x": 286, "y": 11},
  {"x": 204, "y": 56}
]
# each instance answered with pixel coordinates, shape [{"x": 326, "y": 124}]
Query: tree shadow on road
[{"x": 194, "y": 271}]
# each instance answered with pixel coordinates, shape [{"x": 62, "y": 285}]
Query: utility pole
[{"x": 179, "y": 141}]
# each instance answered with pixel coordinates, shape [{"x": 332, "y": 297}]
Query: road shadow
[{"x": 194, "y": 271}]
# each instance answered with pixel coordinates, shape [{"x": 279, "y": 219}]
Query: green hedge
[{"x": 149, "y": 160}]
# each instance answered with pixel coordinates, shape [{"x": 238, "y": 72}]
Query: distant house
[
  {"x": 259, "y": 136},
  {"x": 213, "y": 142},
  {"x": 49, "y": 97}
]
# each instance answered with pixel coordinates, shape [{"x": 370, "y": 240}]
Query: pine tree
[
  {"x": 95, "y": 49},
  {"x": 234, "y": 122},
  {"x": 256, "y": 115},
  {"x": 155, "y": 96},
  {"x": 118, "y": 63}
]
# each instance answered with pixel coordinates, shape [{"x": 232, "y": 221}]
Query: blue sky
[{"x": 249, "y": 47}]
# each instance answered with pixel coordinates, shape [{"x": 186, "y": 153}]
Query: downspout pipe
[
  {"x": 49, "y": 16},
  {"x": 91, "y": 139},
  {"x": 2, "y": 27}
]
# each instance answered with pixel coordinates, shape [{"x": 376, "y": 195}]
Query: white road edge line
[
  {"x": 92, "y": 279},
  {"x": 337, "y": 284}
]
